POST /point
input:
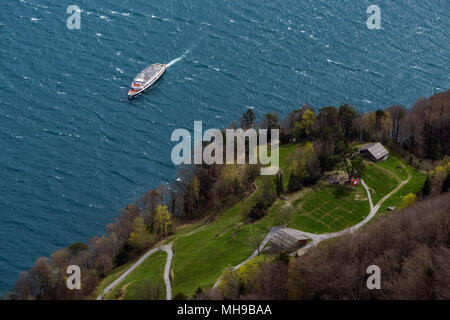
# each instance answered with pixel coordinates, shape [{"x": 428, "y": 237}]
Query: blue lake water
[{"x": 74, "y": 150}]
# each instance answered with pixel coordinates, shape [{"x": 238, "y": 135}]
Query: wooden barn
[
  {"x": 288, "y": 239},
  {"x": 374, "y": 151}
]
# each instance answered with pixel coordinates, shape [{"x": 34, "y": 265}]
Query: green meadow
[{"x": 203, "y": 250}]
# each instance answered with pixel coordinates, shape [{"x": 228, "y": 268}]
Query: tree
[
  {"x": 268, "y": 189},
  {"x": 397, "y": 113},
  {"x": 265, "y": 199},
  {"x": 279, "y": 182},
  {"x": 162, "y": 221},
  {"x": 247, "y": 119},
  {"x": 124, "y": 225},
  {"x": 270, "y": 121},
  {"x": 229, "y": 284},
  {"x": 358, "y": 166},
  {"x": 140, "y": 237},
  {"x": 149, "y": 202},
  {"x": 408, "y": 200},
  {"x": 308, "y": 121},
  {"x": 195, "y": 190},
  {"x": 259, "y": 209},
  {"x": 349, "y": 158},
  {"x": 41, "y": 275},
  {"x": 379, "y": 115},
  {"x": 77, "y": 247},
  {"x": 327, "y": 117},
  {"x": 246, "y": 273},
  {"x": 192, "y": 203},
  {"x": 103, "y": 252},
  {"x": 368, "y": 126},
  {"x": 426, "y": 189},
  {"x": 295, "y": 183},
  {"x": 347, "y": 115}
]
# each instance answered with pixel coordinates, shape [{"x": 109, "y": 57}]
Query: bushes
[
  {"x": 150, "y": 291},
  {"x": 411, "y": 247},
  {"x": 265, "y": 199},
  {"x": 259, "y": 209},
  {"x": 408, "y": 200},
  {"x": 260, "y": 278},
  {"x": 77, "y": 247},
  {"x": 305, "y": 168},
  {"x": 295, "y": 183},
  {"x": 180, "y": 296},
  {"x": 46, "y": 280},
  {"x": 426, "y": 189},
  {"x": 140, "y": 237}
]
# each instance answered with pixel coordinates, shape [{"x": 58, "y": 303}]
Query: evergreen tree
[
  {"x": 295, "y": 183},
  {"x": 247, "y": 119},
  {"x": 279, "y": 183},
  {"x": 426, "y": 189}
]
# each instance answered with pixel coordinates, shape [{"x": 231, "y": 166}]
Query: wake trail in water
[{"x": 171, "y": 63}]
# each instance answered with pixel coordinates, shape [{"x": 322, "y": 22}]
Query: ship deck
[{"x": 149, "y": 72}]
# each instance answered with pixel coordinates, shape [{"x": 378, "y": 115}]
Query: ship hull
[{"x": 147, "y": 84}]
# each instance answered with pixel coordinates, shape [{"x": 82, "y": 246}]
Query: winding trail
[
  {"x": 317, "y": 238},
  {"x": 168, "y": 249}
]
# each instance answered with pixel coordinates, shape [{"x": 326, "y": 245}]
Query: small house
[
  {"x": 288, "y": 239},
  {"x": 374, "y": 151}
]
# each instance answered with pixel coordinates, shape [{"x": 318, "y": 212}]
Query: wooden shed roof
[
  {"x": 376, "y": 150},
  {"x": 285, "y": 238}
]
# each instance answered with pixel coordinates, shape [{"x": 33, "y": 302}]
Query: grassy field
[
  {"x": 334, "y": 207},
  {"x": 414, "y": 185},
  {"x": 199, "y": 258},
  {"x": 394, "y": 165},
  {"x": 151, "y": 269},
  {"x": 203, "y": 250},
  {"x": 113, "y": 275},
  {"x": 329, "y": 209},
  {"x": 380, "y": 180},
  {"x": 285, "y": 151}
]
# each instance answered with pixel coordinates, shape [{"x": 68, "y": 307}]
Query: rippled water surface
[{"x": 74, "y": 150}]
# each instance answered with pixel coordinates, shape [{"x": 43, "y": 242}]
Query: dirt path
[
  {"x": 168, "y": 249},
  {"x": 317, "y": 238}
]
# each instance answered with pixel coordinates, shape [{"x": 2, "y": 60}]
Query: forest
[
  {"x": 421, "y": 135},
  {"x": 411, "y": 247}
]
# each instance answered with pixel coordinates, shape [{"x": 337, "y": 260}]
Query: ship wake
[{"x": 174, "y": 61}]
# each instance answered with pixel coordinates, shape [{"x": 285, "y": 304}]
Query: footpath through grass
[
  {"x": 380, "y": 180},
  {"x": 414, "y": 185},
  {"x": 200, "y": 257},
  {"x": 151, "y": 269},
  {"x": 113, "y": 275},
  {"x": 334, "y": 207},
  {"x": 202, "y": 251}
]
